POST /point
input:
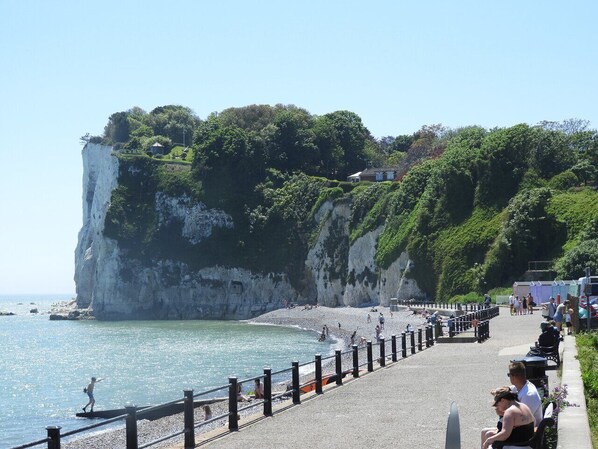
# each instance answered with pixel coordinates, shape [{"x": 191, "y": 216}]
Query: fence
[
  {"x": 466, "y": 307},
  {"x": 410, "y": 342},
  {"x": 479, "y": 320}
]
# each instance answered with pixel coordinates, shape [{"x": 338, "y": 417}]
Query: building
[{"x": 375, "y": 175}]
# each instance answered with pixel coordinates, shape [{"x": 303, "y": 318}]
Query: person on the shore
[
  {"x": 487, "y": 300},
  {"x": 369, "y": 319},
  {"x": 258, "y": 389},
  {"x": 524, "y": 305},
  {"x": 517, "y": 424},
  {"x": 240, "y": 396},
  {"x": 353, "y": 337},
  {"x": 381, "y": 320},
  {"x": 512, "y": 304},
  {"x": 89, "y": 391},
  {"x": 526, "y": 391},
  {"x": 322, "y": 335},
  {"x": 207, "y": 413},
  {"x": 530, "y": 303},
  {"x": 378, "y": 331}
]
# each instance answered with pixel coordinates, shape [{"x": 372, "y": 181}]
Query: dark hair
[{"x": 502, "y": 394}]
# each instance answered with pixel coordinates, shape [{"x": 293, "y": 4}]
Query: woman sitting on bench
[{"x": 517, "y": 423}]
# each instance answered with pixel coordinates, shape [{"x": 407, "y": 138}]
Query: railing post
[
  {"x": 382, "y": 352},
  {"x": 419, "y": 339},
  {"x": 131, "y": 423},
  {"x": 319, "y": 374},
  {"x": 53, "y": 436},
  {"x": 370, "y": 356},
  {"x": 412, "y": 342},
  {"x": 267, "y": 391},
  {"x": 355, "y": 361},
  {"x": 403, "y": 345},
  {"x": 339, "y": 367},
  {"x": 393, "y": 345},
  {"x": 296, "y": 392},
  {"x": 427, "y": 336},
  {"x": 233, "y": 410},
  {"x": 189, "y": 420}
]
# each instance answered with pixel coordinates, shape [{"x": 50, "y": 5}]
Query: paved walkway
[{"x": 406, "y": 404}]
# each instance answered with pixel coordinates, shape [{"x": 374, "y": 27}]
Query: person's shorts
[
  {"x": 568, "y": 324},
  {"x": 558, "y": 318},
  {"x": 90, "y": 394}
]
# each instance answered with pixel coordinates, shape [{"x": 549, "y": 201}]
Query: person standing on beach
[{"x": 89, "y": 391}]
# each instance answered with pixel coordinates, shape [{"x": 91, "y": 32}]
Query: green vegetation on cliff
[{"x": 471, "y": 206}]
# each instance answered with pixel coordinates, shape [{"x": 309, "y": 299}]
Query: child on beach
[{"x": 258, "y": 389}]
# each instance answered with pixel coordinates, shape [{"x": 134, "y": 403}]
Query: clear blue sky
[{"x": 67, "y": 65}]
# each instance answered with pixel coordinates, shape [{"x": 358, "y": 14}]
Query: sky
[{"x": 66, "y": 66}]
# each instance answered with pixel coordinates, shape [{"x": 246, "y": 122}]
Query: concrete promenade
[{"x": 405, "y": 404}]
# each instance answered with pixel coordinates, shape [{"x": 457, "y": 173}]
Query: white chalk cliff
[{"x": 116, "y": 286}]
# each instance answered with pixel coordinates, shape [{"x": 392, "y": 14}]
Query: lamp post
[{"x": 588, "y": 292}]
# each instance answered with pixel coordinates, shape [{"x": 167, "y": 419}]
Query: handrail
[{"x": 482, "y": 314}]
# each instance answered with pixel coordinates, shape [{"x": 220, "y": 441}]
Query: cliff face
[{"x": 117, "y": 286}]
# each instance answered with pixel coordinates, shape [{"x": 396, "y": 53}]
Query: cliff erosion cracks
[{"x": 116, "y": 285}]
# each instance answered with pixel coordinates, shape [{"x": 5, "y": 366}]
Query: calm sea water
[{"x": 45, "y": 364}]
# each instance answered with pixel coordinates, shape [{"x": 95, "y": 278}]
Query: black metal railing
[{"x": 425, "y": 337}]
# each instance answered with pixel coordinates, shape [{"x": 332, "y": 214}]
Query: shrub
[{"x": 564, "y": 180}]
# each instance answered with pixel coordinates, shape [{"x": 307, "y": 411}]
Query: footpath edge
[{"x": 573, "y": 425}]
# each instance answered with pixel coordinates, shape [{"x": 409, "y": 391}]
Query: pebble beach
[{"x": 341, "y": 322}]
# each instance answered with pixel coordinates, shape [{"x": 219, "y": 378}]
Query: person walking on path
[
  {"x": 551, "y": 309},
  {"x": 89, "y": 391},
  {"x": 530, "y": 303}
]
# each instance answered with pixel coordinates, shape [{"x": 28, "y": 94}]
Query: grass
[
  {"x": 575, "y": 209},
  {"x": 587, "y": 353}
]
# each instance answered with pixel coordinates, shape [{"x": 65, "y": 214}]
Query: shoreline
[{"x": 350, "y": 318}]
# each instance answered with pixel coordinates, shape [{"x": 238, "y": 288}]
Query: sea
[{"x": 45, "y": 364}]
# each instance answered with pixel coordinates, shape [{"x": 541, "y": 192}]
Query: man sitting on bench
[{"x": 526, "y": 391}]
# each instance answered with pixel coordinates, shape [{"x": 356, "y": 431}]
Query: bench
[
  {"x": 538, "y": 441},
  {"x": 549, "y": 352}
]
